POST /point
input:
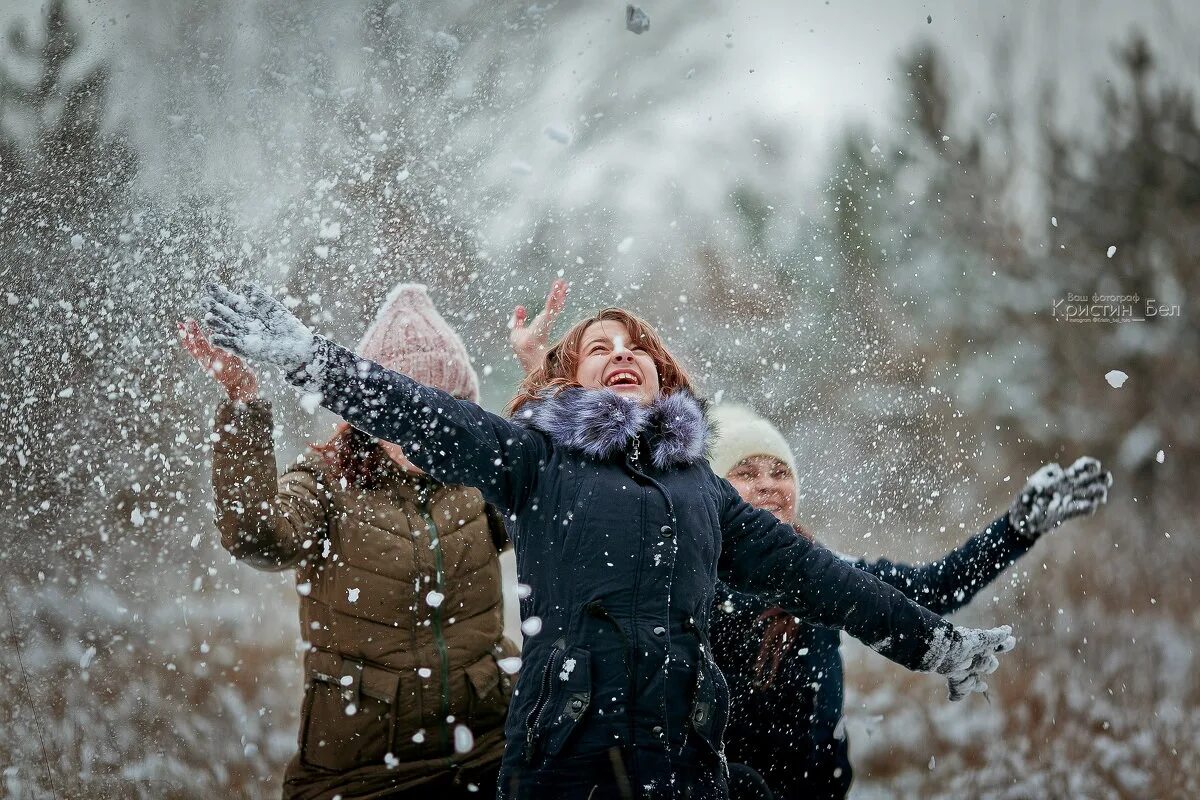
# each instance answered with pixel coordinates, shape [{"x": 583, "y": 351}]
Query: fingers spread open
[
  {"x": 1091, "y": 479},
  {"x": 260, "y": 298},
  {"x": 225, "y": 297},
  {"x": 217, "y": 322},
  {"x": 1085, "y": 500},
  {"x": 1095, "y": 493},
  {"x": 230, "y": 343},
  {"x": 1084, "y": 466},
  {"x": 557, "y": 299}
]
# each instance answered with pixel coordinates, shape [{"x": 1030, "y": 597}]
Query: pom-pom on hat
[
  {"x": 410, "y": 336},
  {"x": 741, "y": 433}
]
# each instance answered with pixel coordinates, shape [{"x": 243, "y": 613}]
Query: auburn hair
[
  {"x": 779, "y": 634},
  {"x": 558, "y": 368},
  {"x": 353, "y": 455}
]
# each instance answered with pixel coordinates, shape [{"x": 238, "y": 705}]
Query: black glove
[
  {"x": 1053, "y": 495},
  {"x": 258, "y": 327},
  {"x": 966, "y": 655}
]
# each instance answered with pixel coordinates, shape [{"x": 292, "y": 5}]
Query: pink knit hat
[{"x": 410, "y": 336}]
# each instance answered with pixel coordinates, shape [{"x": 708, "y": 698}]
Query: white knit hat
[{"x": 742, "y": 433}]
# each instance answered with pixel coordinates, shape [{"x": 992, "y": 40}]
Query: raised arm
[
  {"x": 763, "y": 555},
  {"x": 530, "y": 342},
  {"x": 948, "y": 584},
  {"x": 263, "y": 520},
  {"x": 268, "y": 522},
  {"x": 1051, "y": 496},
  {"x": 453, "y": 440}
]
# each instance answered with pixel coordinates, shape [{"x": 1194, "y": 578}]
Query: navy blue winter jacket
[
  {"x": 621, "y": 529},
  {"x": 790, "y": 726}
]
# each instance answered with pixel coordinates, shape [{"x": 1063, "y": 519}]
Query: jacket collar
[{"x": 602, "y": 423}]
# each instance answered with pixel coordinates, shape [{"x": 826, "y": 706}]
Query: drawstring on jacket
[{"x": 596, "y": 609}]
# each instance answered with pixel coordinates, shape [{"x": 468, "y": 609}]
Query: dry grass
[
  {"x": 1100, "y": 700},
  {"x": 175, "y": 702}
]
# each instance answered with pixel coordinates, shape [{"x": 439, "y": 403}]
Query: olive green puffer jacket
[{"x": 400, "y": 603}]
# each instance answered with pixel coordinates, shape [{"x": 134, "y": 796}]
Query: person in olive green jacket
[{"x": 408, "y": 673}]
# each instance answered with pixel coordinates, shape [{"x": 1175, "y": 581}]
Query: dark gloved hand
[
  {"x": 967, "y": 655},
  {"x": 256, "y": 326},
  {"x": 1054, "y": 495}
]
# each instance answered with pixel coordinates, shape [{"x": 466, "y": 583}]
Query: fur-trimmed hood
[{"x": 601, "y": 423}]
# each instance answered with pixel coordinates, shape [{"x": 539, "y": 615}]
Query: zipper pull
[{"x": 637, "y": 449}]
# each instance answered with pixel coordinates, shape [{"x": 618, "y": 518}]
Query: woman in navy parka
[{"x": 621, "y": 530}]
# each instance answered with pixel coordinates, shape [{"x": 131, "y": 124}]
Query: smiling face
[
  {"x": 609, "y": 359},
  {"x": 766, "y": 482},
  {"x": 613, "y": 349}
]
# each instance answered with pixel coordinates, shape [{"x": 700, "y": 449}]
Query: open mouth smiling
[{"x": 622, "y": 377}]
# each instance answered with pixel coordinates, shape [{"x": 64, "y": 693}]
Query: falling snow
[
  {"x": 881, "y": 291},
  {"x": 1116, "y": 378}
]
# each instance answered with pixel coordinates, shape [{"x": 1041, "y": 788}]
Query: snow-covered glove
[
  {"x": 258, "y": 327},
  {"x": 1054, "y": 495},
  {"x": 966, "y": 655}
]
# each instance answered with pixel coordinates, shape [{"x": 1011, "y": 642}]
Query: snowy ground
[
  {"x": 887, "y": 299},
  {"x": 198, "y": 697}
]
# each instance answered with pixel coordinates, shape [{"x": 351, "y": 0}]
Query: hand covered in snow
[
  {"x": 530, "y": 343},
  {"x": 225, "y": 368},
  {"x": 257, "y": 326},
  {"x": 1053, "y": 495},
  {"x": 966, "y": 655}
]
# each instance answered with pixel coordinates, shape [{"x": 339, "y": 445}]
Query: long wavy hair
[
  {"x": 779, "y": 635},
  {"x": 562, "y": 359}
]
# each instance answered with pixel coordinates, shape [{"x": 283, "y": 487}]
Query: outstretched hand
[
  {"x": 256, "y": 326},
  {"x": 968, "y": 655},
  {"x": 225, "y": 368},
  {"x": 1053, "y": 495},
  {"x": 529, "y": 343}
]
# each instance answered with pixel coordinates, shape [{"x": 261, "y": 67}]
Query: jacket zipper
[
  {"x": 543, "y": 694},
  {"x": 439, "y": 637},
  {"x": 635, "y": 467}
]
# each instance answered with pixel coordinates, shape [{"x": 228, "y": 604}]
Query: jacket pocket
[
  {"x": 348, "y": 718},
  {"x": 569, "y": 696},
  {"x": 491, "y": 691},
  {"x": 710, "y": 705}
]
